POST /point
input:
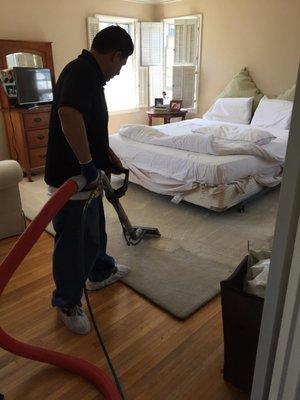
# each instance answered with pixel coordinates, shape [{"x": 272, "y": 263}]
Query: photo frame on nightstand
[{"x": 175, "y": 105}]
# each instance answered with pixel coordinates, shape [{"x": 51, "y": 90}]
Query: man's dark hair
[{"x": 113, "y": 38}]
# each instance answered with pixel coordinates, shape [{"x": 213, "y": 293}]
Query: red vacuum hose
[{"x": 9, "y": 266}]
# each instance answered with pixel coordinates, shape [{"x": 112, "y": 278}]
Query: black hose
[
  {"x": 109, "y": 362},
  {"x": 81, "y": 252}
]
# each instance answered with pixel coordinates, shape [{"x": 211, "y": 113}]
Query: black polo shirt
[{"x": 81, "y": 86}]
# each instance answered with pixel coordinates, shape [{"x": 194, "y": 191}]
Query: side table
[{"x": 166, "y": 115}]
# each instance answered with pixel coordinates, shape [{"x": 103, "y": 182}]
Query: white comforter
[
  {"x": 218, "y": 140},
  {"x": 168, "y": 170}
]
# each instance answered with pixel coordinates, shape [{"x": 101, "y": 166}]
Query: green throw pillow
[
  {"x": 242, "y": 85},
  {"x": 288, "y": 94}
]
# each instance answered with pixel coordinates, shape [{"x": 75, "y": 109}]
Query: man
[{"x": 78, "y": 144}]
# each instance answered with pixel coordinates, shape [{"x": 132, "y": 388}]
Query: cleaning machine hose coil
[{"x": 9, "y": 265}]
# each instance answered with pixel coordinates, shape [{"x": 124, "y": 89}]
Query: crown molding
[{"x": 153, "y": 1}]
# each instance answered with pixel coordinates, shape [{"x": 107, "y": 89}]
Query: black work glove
[{"x": 91, "y": 174}]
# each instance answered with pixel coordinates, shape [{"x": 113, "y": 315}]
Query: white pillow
[
  {"x": 250, "y": 134},
  {"x": 273, "y": 113},
  {"x": 231, "y": 109}
]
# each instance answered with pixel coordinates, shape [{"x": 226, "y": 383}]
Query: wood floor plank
[{"x": 157, "y": 357}]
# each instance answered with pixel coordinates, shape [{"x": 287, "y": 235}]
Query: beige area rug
[{"x": 181, "y": 271}]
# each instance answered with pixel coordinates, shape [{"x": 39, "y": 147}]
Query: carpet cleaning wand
[{"x": 133, "y": 234}]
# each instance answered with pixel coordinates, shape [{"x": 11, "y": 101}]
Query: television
[{"x": 34, "y": 85}]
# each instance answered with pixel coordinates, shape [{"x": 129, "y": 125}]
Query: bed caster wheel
[{"x": 241, "y": 208}]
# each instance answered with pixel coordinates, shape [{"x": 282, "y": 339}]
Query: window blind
[
  {"x": 184, "y": 84},
  {"x": 186, "y": 39},
  {"x": 151, "y": 43}
]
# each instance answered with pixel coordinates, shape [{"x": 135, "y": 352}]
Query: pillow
[
  {"x": 237, "y": 133},
  {"x": 273, "y": 113},
  {"x": 288, "y": 94},
  {"x": 231, "y": 109},
  {"x": 242, "y": 85}
]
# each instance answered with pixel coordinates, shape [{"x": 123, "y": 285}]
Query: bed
[{"x": 213, "y": 181}]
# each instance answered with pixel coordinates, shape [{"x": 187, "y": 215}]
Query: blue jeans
[{"x": 68, "y": 273}]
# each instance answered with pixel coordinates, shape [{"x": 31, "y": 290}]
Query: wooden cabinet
[
  {"x": 27, "y": 133},
  {"x": 26, "y": 128}
]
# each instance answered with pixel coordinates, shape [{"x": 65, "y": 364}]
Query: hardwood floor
[{"x": 157, "y": 357}]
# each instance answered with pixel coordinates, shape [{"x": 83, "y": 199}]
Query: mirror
[{"x": 24, "y": 60}]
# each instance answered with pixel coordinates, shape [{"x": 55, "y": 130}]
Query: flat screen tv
[{"x": 34, "y": 85}]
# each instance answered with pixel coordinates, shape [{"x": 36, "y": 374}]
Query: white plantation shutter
[
  {"x": 184, "y": 84},
  {"x": 186, "y": 60},
  {"x": 155, "y": 83},
  {"x": 143, "y": 86},
  {"x": 93, "y": 27},
  {"x": 151, "y": 43},
  {"x": 186, "y": 41},
  {"x": 179, "y": 50}
]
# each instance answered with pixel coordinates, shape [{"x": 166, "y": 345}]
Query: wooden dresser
[
  {"x": 27, "y": 134},
  {"x": 26, "y": 128}
]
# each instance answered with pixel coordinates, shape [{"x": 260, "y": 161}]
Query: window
[
  {"x": 166, "y": 58},
  {"x": 181, "y": 59},
  {"x": 121, "y": 92},
  {"x": 151, "y": 35},
  {"x": 176, "y": 72}
]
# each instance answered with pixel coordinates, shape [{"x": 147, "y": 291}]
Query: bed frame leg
[{"x": 241, "y": 208}]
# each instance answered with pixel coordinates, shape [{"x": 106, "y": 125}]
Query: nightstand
[{"x": 166, "y": 115}]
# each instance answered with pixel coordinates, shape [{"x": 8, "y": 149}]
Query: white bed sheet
[{"x": 189, "y": 167}]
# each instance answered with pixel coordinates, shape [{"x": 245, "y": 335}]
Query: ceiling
[{"x": 153, "y": 1}]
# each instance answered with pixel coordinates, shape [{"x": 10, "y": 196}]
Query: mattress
[{"x": 182, "y": 169}]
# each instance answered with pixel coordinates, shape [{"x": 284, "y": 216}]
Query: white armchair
[{"x": 12, "y": 220}]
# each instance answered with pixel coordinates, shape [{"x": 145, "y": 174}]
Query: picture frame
[{"x": 175, "y": 105}]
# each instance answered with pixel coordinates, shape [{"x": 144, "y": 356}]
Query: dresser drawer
[
  {"x": 37, "y": 138},
  {"x": 36, "y": 120},
  {"x": 37, "y": 157}
]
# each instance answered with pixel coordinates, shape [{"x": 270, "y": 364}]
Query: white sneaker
[
  {"x": 122, "y": 270},
  {"x": 75, "y": 319}
]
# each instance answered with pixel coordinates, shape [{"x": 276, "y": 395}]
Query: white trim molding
[
  {"x": 113, "y": 18},
  {"x": 153, "y": 1},
  {"x": 285, "y": 378},
  {"x": 280, "y": 269}
]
